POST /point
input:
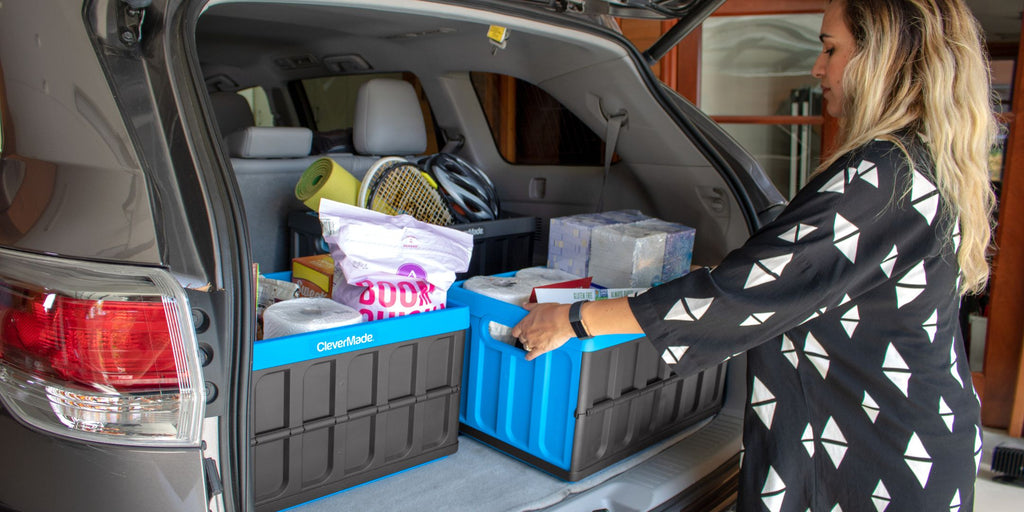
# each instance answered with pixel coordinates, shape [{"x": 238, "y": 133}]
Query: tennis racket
[{"x": 396, "y": 186}]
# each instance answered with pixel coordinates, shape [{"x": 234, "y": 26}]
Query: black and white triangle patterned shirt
[{"x": 859, "y": 393}]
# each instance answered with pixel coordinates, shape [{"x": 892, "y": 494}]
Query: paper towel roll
[
  {"x": 324, "y": 178},
  {"x": 514, "y": 290},
  {"x": 506, "y": 289},
  {"x": 306, "y": 314},
  {"x": 546, "y": 275}
]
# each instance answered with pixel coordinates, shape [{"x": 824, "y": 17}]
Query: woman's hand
[{"x": 544, "y": 329}]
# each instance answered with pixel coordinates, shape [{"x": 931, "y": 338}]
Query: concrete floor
[{"x": 991, "y": 496}]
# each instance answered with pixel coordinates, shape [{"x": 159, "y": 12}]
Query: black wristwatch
[{"x": 576, "y": 320}]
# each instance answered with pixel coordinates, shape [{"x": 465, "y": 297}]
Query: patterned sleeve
[{"x": 835, "y": 240}]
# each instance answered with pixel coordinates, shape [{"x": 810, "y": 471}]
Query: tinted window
[
  {"x": 529, "y": 126},
  {"x": 261, "y": 113}
]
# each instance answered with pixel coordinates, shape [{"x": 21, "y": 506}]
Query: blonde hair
[{"x": 919, "y": 66}]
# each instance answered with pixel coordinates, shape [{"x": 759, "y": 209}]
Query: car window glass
[
  {"x": 260, "y": 105},
  {"x": 529, "y": 126}
]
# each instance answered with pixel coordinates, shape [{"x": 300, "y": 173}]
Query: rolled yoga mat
[
  {"x": 306, "y": 314},
  {"x": 325, "y": 178}
]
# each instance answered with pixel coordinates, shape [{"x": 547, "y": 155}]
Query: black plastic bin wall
[
  {"x": 339, "y": 407},
  {"x": 499, "y": 245},
  {"x": 581, "y": 408}
]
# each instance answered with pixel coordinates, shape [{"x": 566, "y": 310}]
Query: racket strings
[{"x": 402, "y": 189}]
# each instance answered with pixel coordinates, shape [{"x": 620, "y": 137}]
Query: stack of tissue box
[
  {"x": 640, "y": 254},
  {"x": 570, "y": 237},
  {"x": 621, "y": 249}
]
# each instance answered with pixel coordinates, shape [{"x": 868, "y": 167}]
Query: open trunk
[{"x": 532, "y": 97}]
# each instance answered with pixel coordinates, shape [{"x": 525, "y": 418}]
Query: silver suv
[{"x": 150, "y": 150}]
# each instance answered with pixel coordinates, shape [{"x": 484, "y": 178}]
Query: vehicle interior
[
  {"x": 530, "y": 104},
  {"x": 465, "y": 82}
]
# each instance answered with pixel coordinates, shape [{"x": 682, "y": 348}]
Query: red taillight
[
  {"x": 117, "y": 344},
  {"x": 98, "y": 351}
]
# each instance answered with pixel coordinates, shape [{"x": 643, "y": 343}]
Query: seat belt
[{"x": 611, "y": 138}]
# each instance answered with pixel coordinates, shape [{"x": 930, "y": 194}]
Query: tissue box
[
  {"x": 640, "y": 254},
  {"x": 314, "y": 275},
  {"x": 569, "y": 238}
]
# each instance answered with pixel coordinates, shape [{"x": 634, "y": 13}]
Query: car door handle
[{"x": 538, "y": 188}]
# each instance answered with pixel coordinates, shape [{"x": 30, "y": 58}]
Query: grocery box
[
  {"x": 569, "y": 238},
  {"x": 498, "y": 245},
  {"x": 578, "y": 409},
  {"x": 314, "y": 274},
  {"x": 640, "y": 254},
  {"x": 335, "y": 408}
]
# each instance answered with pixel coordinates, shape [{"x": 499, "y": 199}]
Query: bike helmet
[{"x": 470, "y": 194}]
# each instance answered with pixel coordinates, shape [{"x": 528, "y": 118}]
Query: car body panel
[{"x": 45, "y": 472}]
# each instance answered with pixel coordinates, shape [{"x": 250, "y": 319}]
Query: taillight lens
[{"x": 97, "y": 351}]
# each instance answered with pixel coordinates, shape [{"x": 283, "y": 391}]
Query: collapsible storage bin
[
  {"x": 339, "y": 407},
  {"x": 499, "y": 245},
  {"x": 578, "y": 409}
]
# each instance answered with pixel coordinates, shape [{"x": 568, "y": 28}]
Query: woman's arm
[{"x": 547, "y": 326}]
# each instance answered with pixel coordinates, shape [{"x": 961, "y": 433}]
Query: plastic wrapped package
[
  {"x": 640, "y": 254},
  {"x": 306, "y": 314},
  {"x": 516, "y": 289},
  {"x": 678, "y": 247},
  {"x": 569, "y": 238}
]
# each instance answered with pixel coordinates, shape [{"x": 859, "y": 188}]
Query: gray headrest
[
  {"x": 270, "y": 142},
  {"x": 388, "y": 119},
  {"x": 232, "y": 111}
]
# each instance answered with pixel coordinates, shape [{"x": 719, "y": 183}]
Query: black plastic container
[
  {"x": 324, "y": 424},
  {"x": 499, "y": 245}
]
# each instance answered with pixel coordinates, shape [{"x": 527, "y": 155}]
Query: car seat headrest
[
  {"x": 232, "y": 111},
  {"x": 270, "y": 142},
  {"x": 388, "y": 119}
]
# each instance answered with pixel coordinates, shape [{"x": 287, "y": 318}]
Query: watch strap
[{"x": 576, "y": 320}]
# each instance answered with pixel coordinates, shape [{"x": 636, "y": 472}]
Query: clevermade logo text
[{"x": 349, "y": 342}]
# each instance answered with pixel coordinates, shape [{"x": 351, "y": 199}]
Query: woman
[{"x": 859, "y": 392}]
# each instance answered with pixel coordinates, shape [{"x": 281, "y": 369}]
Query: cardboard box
[{"x": 314, "y": 275}]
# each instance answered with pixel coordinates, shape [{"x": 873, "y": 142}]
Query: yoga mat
[{"x": 324, "y": 178}]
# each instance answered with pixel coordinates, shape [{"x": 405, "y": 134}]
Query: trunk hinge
[
  {"x": 129, "y": 21},
  {"x": 584, "y": 6}
]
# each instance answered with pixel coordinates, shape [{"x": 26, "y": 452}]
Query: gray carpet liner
[{"x": 479, "y": 478}]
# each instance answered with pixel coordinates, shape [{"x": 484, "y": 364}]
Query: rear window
[{"x": 531, "y": 127}]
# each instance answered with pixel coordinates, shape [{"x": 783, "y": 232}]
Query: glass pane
[
  {"x": 529, "y": 126},
  {"x": 333, "y": 98},
  {"x": 1002, "y": 89},
  {"x": 260, "y": 105},
  {"x": 787, "y": 153},
  {"x": 749, "y": 64},
  {"x": 1002, "y": 82}
]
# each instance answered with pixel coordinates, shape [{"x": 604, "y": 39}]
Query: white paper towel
[
  {"x": 516, "y": 289},
  {"x": 306, "y": 314},
  {"x": 513, "y": 290},
  {"x": 546, "y": 275}
]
